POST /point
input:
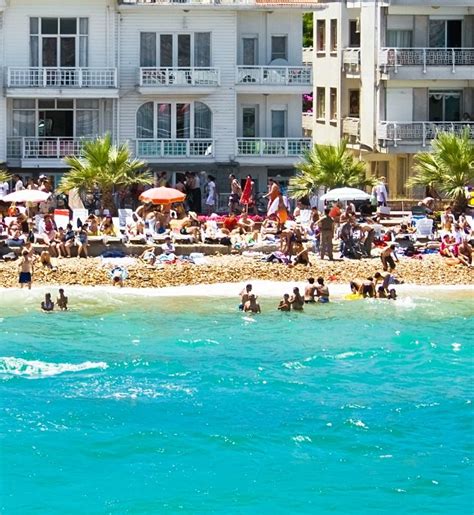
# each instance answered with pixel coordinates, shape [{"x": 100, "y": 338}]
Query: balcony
[
  {"x": 417, "y": 134},
  {"x": 233, "y": 4},
  {"x": 178, "y": 80},
  {"x": 274, "y": 79},
  {"x": 272, "y": 147},
  {"x": 308, "y": 55},
  {"x": 43, "y": 152},
  {"x": 351, "y": 62},
  {"x": 427, "y": 63},
  {"x": 307, "y": 121},
  {"x": 174, "y": 149},
  {"x": 57, "y": 80},
  {"x": 351, "y": 129}
]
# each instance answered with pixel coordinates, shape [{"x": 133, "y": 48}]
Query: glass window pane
[
  {"x": 50, "y": 52},
  {"x": 184, "y": 50},
  {"x": 279, "y": 47},
  {"x": 333, "y": 35},
  {"x": 84, "y": 26},
  {"x": 202, "y": 121},
  {"x": 183, "y": 112},
  {"x": 49, "y": 25},
  {"x": 87, "y": 123},
  {"x": 202, "y": 49},
  {"x": 166, "y": 50},
  {"x": 65, "y": 104},
  {"x": 249, "y": 122},
  {"x": 34, "y": 25},
  {"x": 148, "y": 49},
  {"x": 333, "y": 103},
  {"x": 68, "y": 25},
  {"x": 249, "y": 51},
  {"x": 34, "y": 51},
  {"x": 83, "y": 51},
  {"x": 321, "y": 35},
  {"x": 278, "y": 123},
  {"x": 164, "y": 121},
  {"x": 23, "y": 123},
  {"x": 24, "y": 104},
  {"x": 437, "y": 33},
  {"x": 320, "y": 103},
  {"x": 47, "y": 104},
  {"x": 87, "y": 103},
  {"x": 354, "y": 34},
  {"x": 145, "y": 121},
  {"x": 68, "y": 52}
]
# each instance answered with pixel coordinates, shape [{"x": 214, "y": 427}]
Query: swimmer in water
[
  {"x": 47, "y": 304},
  {"x": 296, "y": 300},
  {"x": 244, "y": 296},
  {"x": 62, "y": 301},
  {"x": 310, "y": 291},
  {"x": 285, "y": 303},
  {"x": 322, "y": 291},
  {"x": 252, "y": 305}
]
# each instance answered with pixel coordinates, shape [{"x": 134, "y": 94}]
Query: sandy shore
[{"x": 431, "y": 270}]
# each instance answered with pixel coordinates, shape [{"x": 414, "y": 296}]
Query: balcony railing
[
  {"x": 308, "y": 53},
  {"x": 272, "y": 147},
  {"x": 418, "y": 133},
  {"x": 275, "y": 75},
  {"x": 425, "y": 57},
  {"x": 24, "y": 77},
  {"x": 270, "y": 3},
  {"x": 351, "y": 60},
  {"x": 308, "y": 121},
  {"x": 351, "y": 127},
  {"x": 179, "y": 77},
  {"x": 44, "y": 148},
  {"x": 171, "y": 148}
]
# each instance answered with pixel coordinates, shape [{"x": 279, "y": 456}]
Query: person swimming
[
  {"x": 322, "y": 291},
  {"x": 285, "y": 303},
  {"x": 296, "y": 300},
  {"x": 47, "y": 304},
  {"x": 62, "y": 300},
  {"x": 310, "y": 291},
  {"x": 252, "y": 305}
]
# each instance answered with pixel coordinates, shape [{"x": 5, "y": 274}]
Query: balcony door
[
  {"x": 445, "y": 106},
  {"x": 250, "y": 121},
  {"x": 445, "y": 33}
]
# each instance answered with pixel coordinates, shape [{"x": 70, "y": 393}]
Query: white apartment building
[
  {"x": 389, "y": 75},
  {"x": 200, "y": 85}
]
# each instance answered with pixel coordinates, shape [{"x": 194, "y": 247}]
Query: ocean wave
[{"x": 36, "y": 369}]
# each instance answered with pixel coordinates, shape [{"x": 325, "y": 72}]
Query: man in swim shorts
[
  {"x": 388, "y": 258},
  {"x": 26, "y": 269},
  {"x": 322, "y": 291},
  {"x": 310, "y": 291}
]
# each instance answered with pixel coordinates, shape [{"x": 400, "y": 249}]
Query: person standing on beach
[
  {"x": 62, "y": 300},
  {"x": 235, "y": 194},
  {"x": 310, "y": 291},
  {"x": 26, "y": 269},
  {"x": 388, "y": 258},
  {"x": 326, "y": 226},
  {"x": 211, "y": 198},
  {"x": 380, "y": 192}
]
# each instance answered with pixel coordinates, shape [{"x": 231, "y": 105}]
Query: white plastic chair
[{"x": 424, "y": 228}]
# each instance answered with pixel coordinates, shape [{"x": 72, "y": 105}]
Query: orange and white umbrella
[
  {"x": 162, "y": 195},
  {"x": 33, "y": 196}
]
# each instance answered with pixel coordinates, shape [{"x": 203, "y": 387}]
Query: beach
[{"x": 430, "y": 270}]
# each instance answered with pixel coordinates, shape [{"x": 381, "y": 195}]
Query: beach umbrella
[
  {"x": 33, "y": 196},
  {"x": 345, "y": 194},
  {"x": 162, "y": 195}
]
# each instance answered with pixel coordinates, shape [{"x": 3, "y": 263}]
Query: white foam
[{"x": 35, "y": 369}]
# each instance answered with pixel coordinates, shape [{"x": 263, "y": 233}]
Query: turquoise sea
[{"x": 136, "y": 404}]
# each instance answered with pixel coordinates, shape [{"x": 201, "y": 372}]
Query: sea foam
[{"x": 36, "y": 369}]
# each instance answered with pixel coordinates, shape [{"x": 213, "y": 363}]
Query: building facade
[
  {"x": 389, "y": 75},
  {"x": 203, "y": 85}
]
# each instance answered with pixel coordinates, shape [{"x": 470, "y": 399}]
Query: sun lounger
[{"x": 424, "y": 228}]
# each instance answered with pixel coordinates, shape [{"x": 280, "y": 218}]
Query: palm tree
[
  {"x": 330, "y": 167},
  {"x": 449, "y": 167},
  {"x": 106, "y": 166},
  {"x": 5, "y": 176}
]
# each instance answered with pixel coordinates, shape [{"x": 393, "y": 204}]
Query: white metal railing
[
  {"x": 424, "y": 57},
  {"x": 275, "y": 75},
  {"x": 307, "y": 121},
  {"x": 179, "y": 76},
  {"x": 44, "y": 148},
  {"x": 351, "y": 126},
  {"x": 308, "y": 53},
  {"x": 152, "y": 148},
  {"x": 267, "y": 147},
  {"x": 270, "y": 3},
  {"x": 351, "y": 60},
  {"x": 418, "y": 133},
  {"x": 27, "y": 77}
]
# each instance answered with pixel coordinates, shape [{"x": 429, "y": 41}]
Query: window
[
  {"x": 354, "y": 102},
  {"x": 278, "y": 123},
  {"x": 172, "y": 120},
  {"x": 249, "y": 50},
  {"x": 249, "y": 122},
  {"x": 333, "y": 35},
  {"x": 320, "y": 35},
  {"x": 445, "y": 106},
  {"x": 354, "y": 33},
  {"x": 399, "y": 38},
  {"x": 59, "y": 42},
  {"x": 279, "y": 48},
  {"x": 175, "y": 50},
  {"x": 320, "y": 103},
  {"x": 333, "y": 104},
  {"x": 445, "y": 33}
]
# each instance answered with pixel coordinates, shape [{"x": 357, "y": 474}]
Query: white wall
[
  {"x": 399, "y": 104},
  {"x": 3, "y": 107}
]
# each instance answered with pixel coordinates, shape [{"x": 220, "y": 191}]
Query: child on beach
[
  {"x": 62, "y": 300},
  {"x": 26, "y": 269}
]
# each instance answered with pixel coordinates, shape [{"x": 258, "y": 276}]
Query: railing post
[
  {"x": 58, "y": 145},
  {"x": 286, "y": 147},
  {"x": 287, "y": 75},
  {"x": 80, "y": 78},
  {"x": 395, "y": 135},
  {"x": 453, "y": 57},
  {"x": 395, "y": 52},
  {"x": 188, "y": 148},
  {"x": 423, "y": 134},
  {"x": 23, "y": 148},
  {"x": 44, "y": 73},
  {"x": 261, "y": 140},
  {"x": 424, "y": 60},
  {"x": 140, "y": 81}
]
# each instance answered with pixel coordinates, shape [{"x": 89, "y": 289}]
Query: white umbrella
[
  {"x": 345, "y": 194},
  {"x": 33, "y": 196}
]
